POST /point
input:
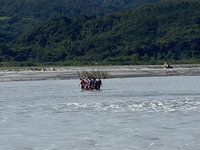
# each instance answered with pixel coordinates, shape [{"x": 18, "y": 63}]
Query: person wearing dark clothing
[{"x": 98, "y": 84}]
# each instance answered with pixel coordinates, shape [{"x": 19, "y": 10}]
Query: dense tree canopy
[
  {"x": 18, "y": 16},
  {"x": 45, "y": 8},
  {"x": 168, "y": 30}
]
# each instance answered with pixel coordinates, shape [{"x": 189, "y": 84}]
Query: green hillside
[
  {"x": 167, "y": 30},
  {"x": 46, "y": 8},
  {"x": 18, "y": 16}
]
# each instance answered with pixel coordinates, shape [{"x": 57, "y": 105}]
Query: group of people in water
[{"x": 90, "y": 84}]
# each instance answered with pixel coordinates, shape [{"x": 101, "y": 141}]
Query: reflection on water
[{"x": 133, "y": 113}]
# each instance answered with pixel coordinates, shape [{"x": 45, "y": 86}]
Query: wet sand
[{"x": 62, "y": 73}]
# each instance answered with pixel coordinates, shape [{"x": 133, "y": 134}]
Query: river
[{"x": 148, "y": 113}]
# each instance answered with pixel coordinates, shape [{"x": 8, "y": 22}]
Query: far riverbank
[{"x": 63, "y": 73}]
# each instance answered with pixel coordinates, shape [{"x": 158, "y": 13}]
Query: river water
[{"x": 149, "y": 113}]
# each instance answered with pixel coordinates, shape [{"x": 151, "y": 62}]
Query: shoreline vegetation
[
  {"x": 93, "y": 74},
  {"x": 76, "y": 72}
]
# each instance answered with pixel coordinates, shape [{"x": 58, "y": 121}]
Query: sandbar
[{"x": 71, "y": 72}]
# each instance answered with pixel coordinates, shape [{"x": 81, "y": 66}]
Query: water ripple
[{"x": 148, "y": 106}]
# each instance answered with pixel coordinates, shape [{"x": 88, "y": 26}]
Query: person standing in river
[
  {"x": 99, "y": 84},
  {"x": 82, "y": 83}
]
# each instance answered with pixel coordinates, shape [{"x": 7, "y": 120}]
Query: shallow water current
[{"x": 149, "y": 113}]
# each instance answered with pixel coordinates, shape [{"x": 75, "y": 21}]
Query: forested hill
[
  {"x": 168, "y": 30},
  {"x": 45, "y": 8},
  {"x": 18, "y": 16}
]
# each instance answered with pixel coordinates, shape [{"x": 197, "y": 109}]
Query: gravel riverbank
[{"x": 62, "y": 73}]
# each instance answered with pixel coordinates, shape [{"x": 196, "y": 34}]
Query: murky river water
[{"x": 156, "y": 113}]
